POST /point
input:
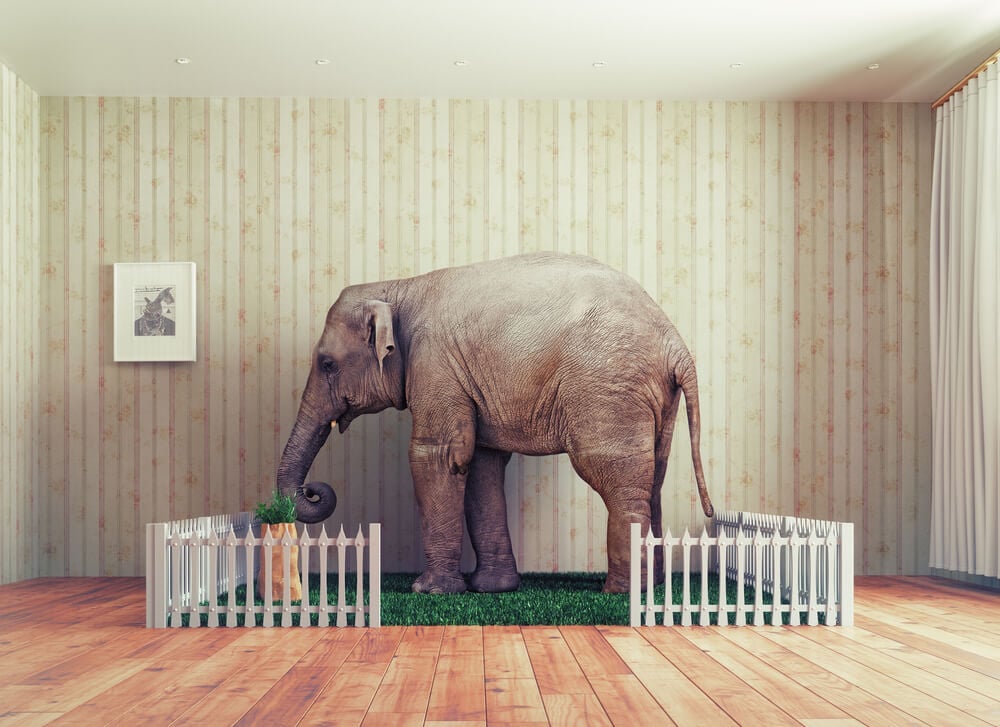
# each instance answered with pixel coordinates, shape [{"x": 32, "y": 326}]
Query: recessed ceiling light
[
  {"x": 736, "y": 66},
  {"x": 182, "y": 61},
  {"x": 322, "y": 61},
  {"x": 599, "y": 64},
  {"x": 873, "y": 66},
  {"x": 461, "y": 63}
]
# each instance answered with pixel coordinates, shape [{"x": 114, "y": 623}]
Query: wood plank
[
  {"x": 594, "y": 654},
  {"x": 273, "y": 652},
  {"x": 510, "y": 700},
  {"x": 333, "y": 648},
  {"x": 171, "y": 699},
  {"x": 98, "y": 656},
  {"x": 797, "y": 701},
  {"x": 846, "y": 695},
  {"x": 948, "y": 691},
  {"x": 462, "y": 640},
  {"x": 119, "y": 698},
  {"x": 184, "y": 644},
  {"x": 28, "y": 719},
  {"x": 953, "y": 595},
  {"x": 458, "y": 692},
  {"x": 505, "y": 655},
  {"x": 624, "y": 699},
  {"x": 677, "y": 695},
  {"x": 290, "y": 697},
  {"x": 633, "y": 649},
  {"x": 912, "y": 701},
  {"x": 13, "y": 696},
  {"x": 980, "y": 646},
  {"x": 378, "y": 645},
  {"x": 933, "y": 662},
  {"x": 969, "y": 608},
  {"x": 968, "y": 617},
  {"x": 571, "y": 710},
  {"x": 406, "y": 685},
  {"x": 915, "y": 655},
  {"x": 14, "y": 637},
  {"x": 421, "y": 641},
  {"x": 553, "y": 663},
  {"x": 955, "y": 591},
  {"x": 20, "y": 664},
  {"x": 346, "y": 698},
  {"x": 396, "y": 719},
  {"x": 66, "y": 693},
  {"x": 953, "y": 654},
  {"x": 737, "y": 698},
  {"x": 197, "y": 682},
  {"x": 69, "y": 598}
]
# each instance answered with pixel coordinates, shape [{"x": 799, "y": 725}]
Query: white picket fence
[
  {"x": 190, "y": 563},
  {"x": 806, "y": 566}
]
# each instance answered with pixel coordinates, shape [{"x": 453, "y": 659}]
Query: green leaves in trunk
[{"x": 281, "y": 509}]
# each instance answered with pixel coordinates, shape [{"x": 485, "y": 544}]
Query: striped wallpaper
[
  {"x": 788, "y": 242},
  {"x": 19, "y": 336}
]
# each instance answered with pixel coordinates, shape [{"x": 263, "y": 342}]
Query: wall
[
  {"x": 19, "y": 316},
  {"x": 788, "y": 242}
]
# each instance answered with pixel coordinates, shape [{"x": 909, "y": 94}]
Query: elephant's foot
[
  {"x": 617, "y": 584},
  {"x": 621, "y": 583},
  {"x": 430, "y": 582},
  {"x": 492, "y": 580}
]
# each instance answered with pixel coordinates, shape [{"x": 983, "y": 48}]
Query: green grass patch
[{"x": 543, "y": 599}]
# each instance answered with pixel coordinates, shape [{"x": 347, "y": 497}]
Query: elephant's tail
[{"x": 688, "y": 381}]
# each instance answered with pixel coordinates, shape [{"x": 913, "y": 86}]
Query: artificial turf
[{"x": 543, "y": 599}]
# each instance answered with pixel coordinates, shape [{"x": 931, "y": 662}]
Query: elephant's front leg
[
  {"x": 440, "y": 465},
  {"x": 486, "y": 516}
]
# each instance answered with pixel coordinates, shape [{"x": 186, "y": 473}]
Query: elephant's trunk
[
  {"x": 688, "y": 380},
  {"x": 314, "y": 501}
]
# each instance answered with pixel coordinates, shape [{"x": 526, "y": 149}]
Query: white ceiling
[{"x": 790, "y": 49}]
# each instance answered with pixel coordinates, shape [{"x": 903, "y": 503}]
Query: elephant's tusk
[{"x": 333, "y": 424}]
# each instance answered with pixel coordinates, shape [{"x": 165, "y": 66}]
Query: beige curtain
[{"x": 965, "y": 316}]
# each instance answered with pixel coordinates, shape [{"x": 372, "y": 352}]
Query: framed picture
[{"x": 154, "y": 312}]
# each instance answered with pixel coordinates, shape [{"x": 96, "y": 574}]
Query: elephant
[{"x": 541, "y": 353}]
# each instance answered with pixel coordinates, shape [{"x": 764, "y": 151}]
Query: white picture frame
[{"x": 155, "y": 311}]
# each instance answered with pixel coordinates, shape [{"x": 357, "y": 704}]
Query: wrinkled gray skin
[{"x": 538, "y": 354}]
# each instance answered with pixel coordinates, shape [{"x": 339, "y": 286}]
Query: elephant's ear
[{"x": 380, "y": 325}]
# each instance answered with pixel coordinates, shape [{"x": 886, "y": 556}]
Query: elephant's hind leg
[
  {"x": 663, "y": 442},
  {"x": 624, "y": 480},
  {"x": 486, "y": 517}
]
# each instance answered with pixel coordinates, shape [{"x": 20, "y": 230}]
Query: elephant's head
[{"x": 356, "y": 369}]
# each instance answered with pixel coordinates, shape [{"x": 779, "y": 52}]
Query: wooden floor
[{"x": 75, "y": 651}]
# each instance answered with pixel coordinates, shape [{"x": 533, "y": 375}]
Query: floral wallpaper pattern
[
  {"x": 19, "y": 336},
  {"x": 787, "y": 241}
]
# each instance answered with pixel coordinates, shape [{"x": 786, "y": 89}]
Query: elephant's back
[
  {"x": 527, "y": 301},
  {"x": 542, "y": 279},
  {"x": 562, "y": 312}
]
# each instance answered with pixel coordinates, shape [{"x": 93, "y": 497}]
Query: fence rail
[
  {"x": 805, "y": 566},
  {"x": 191, "y": 563}
]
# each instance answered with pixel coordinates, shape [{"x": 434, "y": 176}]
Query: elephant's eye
[{"x": 327, "y": 365}]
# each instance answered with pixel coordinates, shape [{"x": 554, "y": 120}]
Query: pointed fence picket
[
  {"x": 190, "y": 563},
  {"x": 806, "y": 566}
]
